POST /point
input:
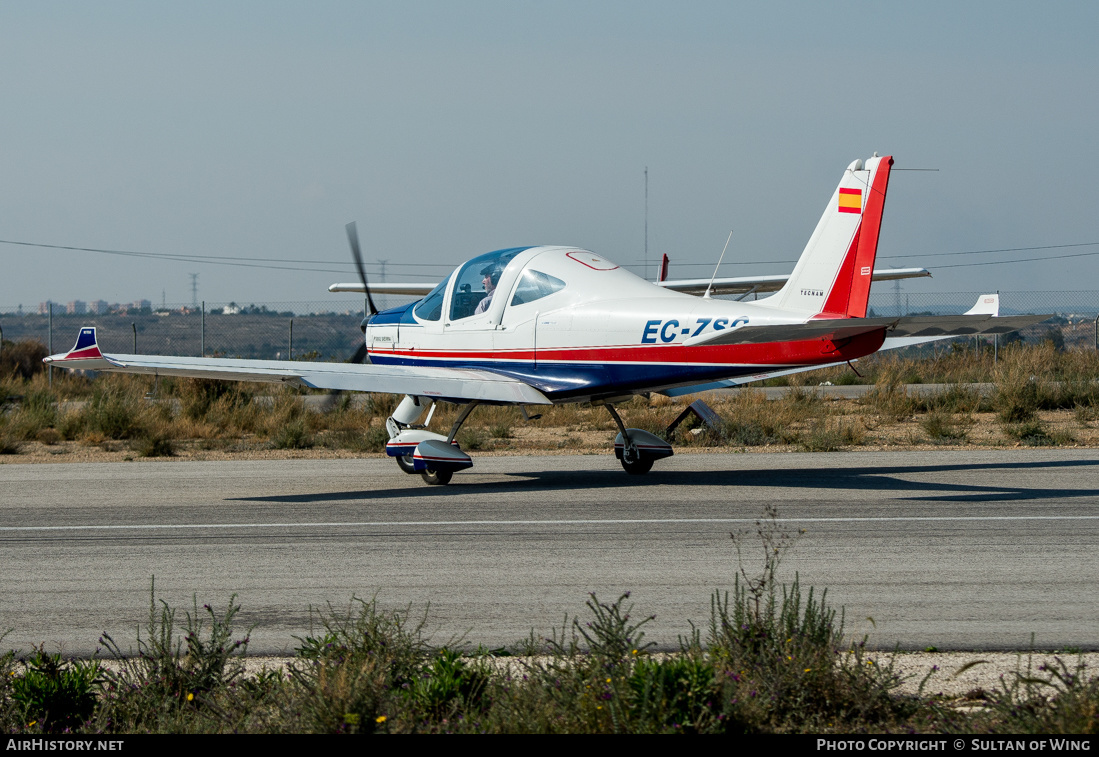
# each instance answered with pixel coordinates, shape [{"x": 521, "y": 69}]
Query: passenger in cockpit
[{"x": 491, "y": 277}]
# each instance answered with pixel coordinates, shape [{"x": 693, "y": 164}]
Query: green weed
[
  {"x": 163, "y": 687},
  {"x": 292, "y": 435},
  {"x": 153, "y": 444},
  {"x": 942, "y": 428},
  {"x": 57, "y": 695},
  {"x": 1035, "y": 433},
  {"x": 830, "y": 436}
]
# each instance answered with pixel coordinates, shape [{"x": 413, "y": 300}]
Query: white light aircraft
[{"x": 542, "y": 325}]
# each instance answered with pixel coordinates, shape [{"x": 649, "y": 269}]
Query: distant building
[
  {"x": 98, "y": 307},
  {"x": 76, "y": 307},
  {"x": 44, "y": 307},
  {"x": 142, "y": 304}
]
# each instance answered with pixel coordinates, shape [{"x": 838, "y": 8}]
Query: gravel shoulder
[{"x": 938, "y": 673}]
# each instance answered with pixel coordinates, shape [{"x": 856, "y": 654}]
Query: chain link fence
[{"x": 329, "y": 329}]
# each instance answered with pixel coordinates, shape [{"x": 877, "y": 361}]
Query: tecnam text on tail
[{"x": 552, "y": 324}]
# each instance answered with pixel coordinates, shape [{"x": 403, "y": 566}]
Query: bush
[
  {"x": 472, "y": 439},
  {"x": 674, "y": 695},
  {"x": 292, "y": 436},
  {"x": 354, "y": 675},
  {"x": 889, "y": 397},
  {"x": 153, "y": 444},
  {"x": 8, "y": 444},
  {"x": 1056, "y": 698},
  {"x": 112, "y": 413},
  {"x": 1034, "y": 433},
  {"x": 23, "y": 359},
  {"x": 162, "y": 687},
  {"x": 448, "y": 683},
  {"x": 57, "y": 695},
  {"x": 198, "y": 396},
  {"x": 830, "y": 436},
  {"x": 36, "y": 413},
  {"x": 941, "y": 427}
]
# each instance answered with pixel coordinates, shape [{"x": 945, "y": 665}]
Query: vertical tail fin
[
  {"x": 663, "y": 274},
  {"x": 832, "y": 276}
]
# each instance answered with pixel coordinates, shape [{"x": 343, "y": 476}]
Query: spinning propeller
[{"x": 356, "y": 253}]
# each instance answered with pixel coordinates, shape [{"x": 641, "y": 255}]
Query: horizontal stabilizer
[
  {"x": 765, "y": 284},
  {"x": 930, "y": 326}
]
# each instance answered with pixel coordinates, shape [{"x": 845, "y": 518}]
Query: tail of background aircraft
[{"x": 832, "y": 276}]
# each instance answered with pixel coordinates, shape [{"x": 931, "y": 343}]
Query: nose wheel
[
  {"x": 638, "y": 466},
  {"x": 404, "y": 462},
  {"x": 637, "y": 449},
  {"x": 436, "y": 477}
]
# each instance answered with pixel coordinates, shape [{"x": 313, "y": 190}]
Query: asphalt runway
[{"x": 957, "y": 550}]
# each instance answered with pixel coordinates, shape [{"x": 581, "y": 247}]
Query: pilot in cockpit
[{"x": 491, "y": 277}]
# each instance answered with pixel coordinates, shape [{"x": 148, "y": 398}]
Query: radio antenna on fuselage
[{"x": 710, "y": 285}]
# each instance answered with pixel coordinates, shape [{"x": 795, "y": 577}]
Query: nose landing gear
[{"x": 637, "y": 450}]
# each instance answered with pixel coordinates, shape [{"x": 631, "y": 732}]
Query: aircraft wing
[
  {"x": 733, "y": 285},
  {"x": 383, "y": 288},
  {"x": 755, "y": 284},
  {"x": 442, "y": 383}
]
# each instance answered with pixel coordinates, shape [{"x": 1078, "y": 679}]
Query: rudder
[{"x": 832, "y": 277}]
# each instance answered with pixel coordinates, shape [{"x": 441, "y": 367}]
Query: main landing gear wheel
[
  {"x": 436, "y": 477},
  {"x": 404, "y": 462},
  {"x": 638, "y": 466}
]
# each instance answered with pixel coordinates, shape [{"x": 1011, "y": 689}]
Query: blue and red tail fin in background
[{"x": 86, "y": 347}]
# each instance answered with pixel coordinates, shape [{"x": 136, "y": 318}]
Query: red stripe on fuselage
[{"x": 803, "y": 352}]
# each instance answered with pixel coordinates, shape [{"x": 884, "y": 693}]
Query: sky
[{"x": 243, "y": 130}]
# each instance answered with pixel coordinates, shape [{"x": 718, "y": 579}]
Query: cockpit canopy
[
  {"x": 488, "y": 287},
  {"x": 476, "y": 281},
  {"x": 473, "y": 284}
]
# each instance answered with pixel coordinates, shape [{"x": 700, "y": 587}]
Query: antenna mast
[
  {"x": 723, "y": 249},
  {"x": 194, "y": 290},
  {"x": 646, "y": 222}
]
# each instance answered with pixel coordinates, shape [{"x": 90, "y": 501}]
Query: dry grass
[{"x": 1040, "y": 396}]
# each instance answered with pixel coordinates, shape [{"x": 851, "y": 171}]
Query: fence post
[
  {"x": 290, "y": 351},
  {"x": 1097, "y": 333},
  {"x": 49, "y": 342},
  {"x": 133, "y": 325},
  {"x": 202, "y": 336},
  {"x": 1, "y": 344}
]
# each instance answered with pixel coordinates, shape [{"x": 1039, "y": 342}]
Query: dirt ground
[{"x": 976, "y": 430}]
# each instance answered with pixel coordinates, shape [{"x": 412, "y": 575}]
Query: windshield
[
  {"x": 430, "y": 308},
  {"x": 476, "y": 283}
]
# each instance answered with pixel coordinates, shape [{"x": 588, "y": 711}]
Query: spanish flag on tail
[{"x": 850, "y": 200}]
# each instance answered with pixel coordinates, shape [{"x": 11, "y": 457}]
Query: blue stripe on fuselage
[{"x": 559, "y": 381}]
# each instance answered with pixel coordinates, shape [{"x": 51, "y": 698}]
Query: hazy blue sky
[{"x": 446, "y": 129}]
